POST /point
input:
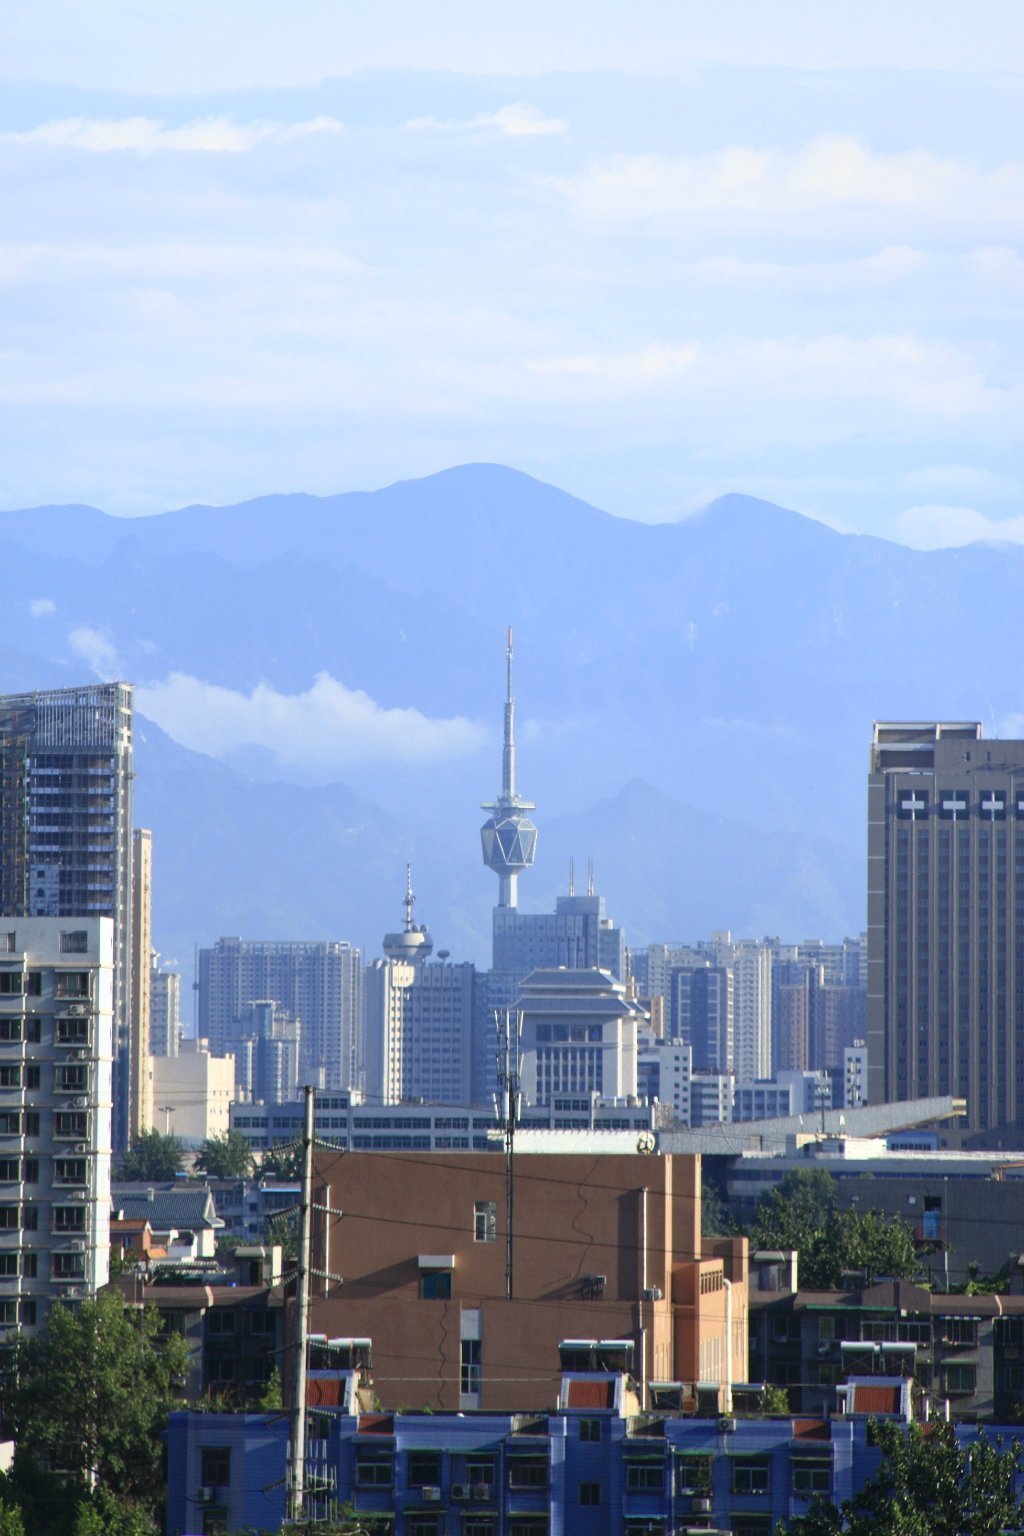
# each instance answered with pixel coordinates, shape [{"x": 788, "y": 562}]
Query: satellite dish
[{"x": 645, "y": 1142}]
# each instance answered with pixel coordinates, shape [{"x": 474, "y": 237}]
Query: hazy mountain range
[{"x": 695, "y": 699}]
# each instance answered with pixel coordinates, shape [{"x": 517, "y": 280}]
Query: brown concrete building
[{"x": 605, "y": 1248}]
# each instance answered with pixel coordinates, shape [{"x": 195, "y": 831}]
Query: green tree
[
  {"x": 101, "y": 1514},
  {"x": 284, "y": 1229},
  {"x": 87, "y": 1400},
  {"x": 11, "y": 1523},
  {"x": 152, "y": 1157},
  {"x": 715, "y": 1220},
  {"x": 801, "y": 1213},
  {"x": 225, "y": 1157},
  {"x": 283, "y": 1161},
  {"x": 928, "y": 1485}
]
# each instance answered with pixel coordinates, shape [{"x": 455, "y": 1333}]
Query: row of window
[{"x": 66, "y": 984}]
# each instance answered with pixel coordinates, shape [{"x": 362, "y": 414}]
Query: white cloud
[
  {"x": 829, "y": 172},
  {"x": 935, "y": 526},
  {"x": 147, "y": 135},
  {"x": 328, "y": 726},
  {"x": 39, "y": 607},
  {"x": 518, "y": 120},
  {"x": 97, "y": 649}
]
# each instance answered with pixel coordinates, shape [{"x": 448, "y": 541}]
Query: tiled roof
[
  {"x": 376, "y": 1424},
  {"x": 326, "y": 1392},
  {"x": 591, "y": 1394},
  {"x": 184, "y": 1209},
  {"x": 876, "y": 1399},
  {"x": 810, "y": 1429}
]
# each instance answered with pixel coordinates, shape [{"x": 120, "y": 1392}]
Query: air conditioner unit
[
  {"x": 481, "y": 1490},
  {"x": 204, "y": 1495},
  {"x": 77, "y": 1246},
  {"x": 78, "y": 1055},
  {"x": 80, "y": 1103},
  {"x": 78, "y": 1194},
  {"x": 460, "y": 1490},
  {"x": 727, "y": 1426},
  {"x": 78, "y": 1009},
  {"x": 81, "y": 1146},
  {"x": 431, "y": 1495}
]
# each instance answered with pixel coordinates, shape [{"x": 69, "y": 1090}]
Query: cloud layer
[
  {"x": 327, "y": 727},
  {"x": 649, "y": 288}
]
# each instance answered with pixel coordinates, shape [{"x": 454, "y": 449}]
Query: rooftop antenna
[
  {"x": 590, "y": 877},
  {"x": 572, "y": 881},
  {"x": 410, "y": 899}
]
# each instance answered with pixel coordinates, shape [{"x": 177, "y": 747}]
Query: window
[
  {"x": 71, "y": 984},
  {"x": 959, "y": 1379},
  {"x": 27, "y": 1313},
  {"x": 528, "y": 1472},
  {"x": 528, "y": 1525},
  {"x": 69, "y": 1218},
  {"x": 73, "y": 1079},
  {"x": 10, "y": 1170},
  {"x": 590, "y": 1493},
  {"x": 812, "y": 1477},
  {"x": 590, "y": 1429},
  {"x": 10, "y": 1218},
  {"x": 471, "y": 1370},
  {"x": 424, "y": 1468},
  {"x": 436, "y": 1285},
  {"x": 485, "y": 1221},
  {"x": 215, "y": 1463},
  {"x": 11, "y": 984},
  {"x": 30, "y": 1266},
  {"x": 751, "y": 1474},
  {"x": 220, "y": 1321},
  {"x": 479, "y": 1469},
  {"x": 69, "y": 1170},
  {"x": 68, "y": 1266},
  {"x": 30, "y": 1218},
  {"x": 72, "y": 1032},
  {"x": 8, "y": 1265},
  {"x": 645, "y": 1476},
  {"x": 424, "y": 1525},
  {"x": 10, "y": 1029},
  {"x": 959, "y": 1330},
  {"x": 262, "y": 1324},
  {"x": 693, "y": 1474},
  {"x": 74, "y": 942},
  {"x": 752, "y": 1525},
  {"x": 373, "y": 1471}
]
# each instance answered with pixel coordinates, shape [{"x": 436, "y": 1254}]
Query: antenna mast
[{"x": 509, "y": 1026}]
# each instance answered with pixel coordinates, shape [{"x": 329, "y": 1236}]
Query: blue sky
[{"x": 650, "y": 253}]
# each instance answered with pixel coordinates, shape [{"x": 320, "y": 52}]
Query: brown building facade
[{"x": 605, "y": 1247}]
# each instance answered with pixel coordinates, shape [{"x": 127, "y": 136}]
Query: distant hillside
[{"x": 695, "y": 699}]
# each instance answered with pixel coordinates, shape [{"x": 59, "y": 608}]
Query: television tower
[{"x": 509, "y": 837}]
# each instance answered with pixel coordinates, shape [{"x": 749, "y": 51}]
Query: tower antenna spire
[
  {"x": 410, "y": 899},
  {"x": 572, "y": 878},
  {"x": 509, "y": 838}
]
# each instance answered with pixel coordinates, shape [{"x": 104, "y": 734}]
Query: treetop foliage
[
  {"x": 928, "y": 1485},
  {"x": 152, "y": 1157},
  {"x": 801, "y": 1212}
]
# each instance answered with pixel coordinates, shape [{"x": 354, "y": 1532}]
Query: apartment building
[{"x": 56, "y": 1054}]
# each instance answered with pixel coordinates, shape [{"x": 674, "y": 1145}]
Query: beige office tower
[
  {"x": 946, "y": 922},
  {"x": 142, "y": 946}
]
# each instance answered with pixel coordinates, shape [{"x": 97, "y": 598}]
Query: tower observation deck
[{"x": 509, "y": 837}]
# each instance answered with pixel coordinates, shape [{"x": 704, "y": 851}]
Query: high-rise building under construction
[{"x": 66, "y": 832}]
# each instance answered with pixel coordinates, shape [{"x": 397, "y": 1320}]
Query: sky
[{"x": 650, "y": 253}]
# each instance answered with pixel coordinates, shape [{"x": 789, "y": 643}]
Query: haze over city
[{"x": 511, "y": 769}]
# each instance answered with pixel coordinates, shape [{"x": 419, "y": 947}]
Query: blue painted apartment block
[{"x": 573, "y": 1472}]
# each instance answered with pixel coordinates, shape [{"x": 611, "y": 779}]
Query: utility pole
[
  {"x": 167, "y": 1110},
  {"x": 302, "y": 1277},
  {"x": 509, "y": 1028}
]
